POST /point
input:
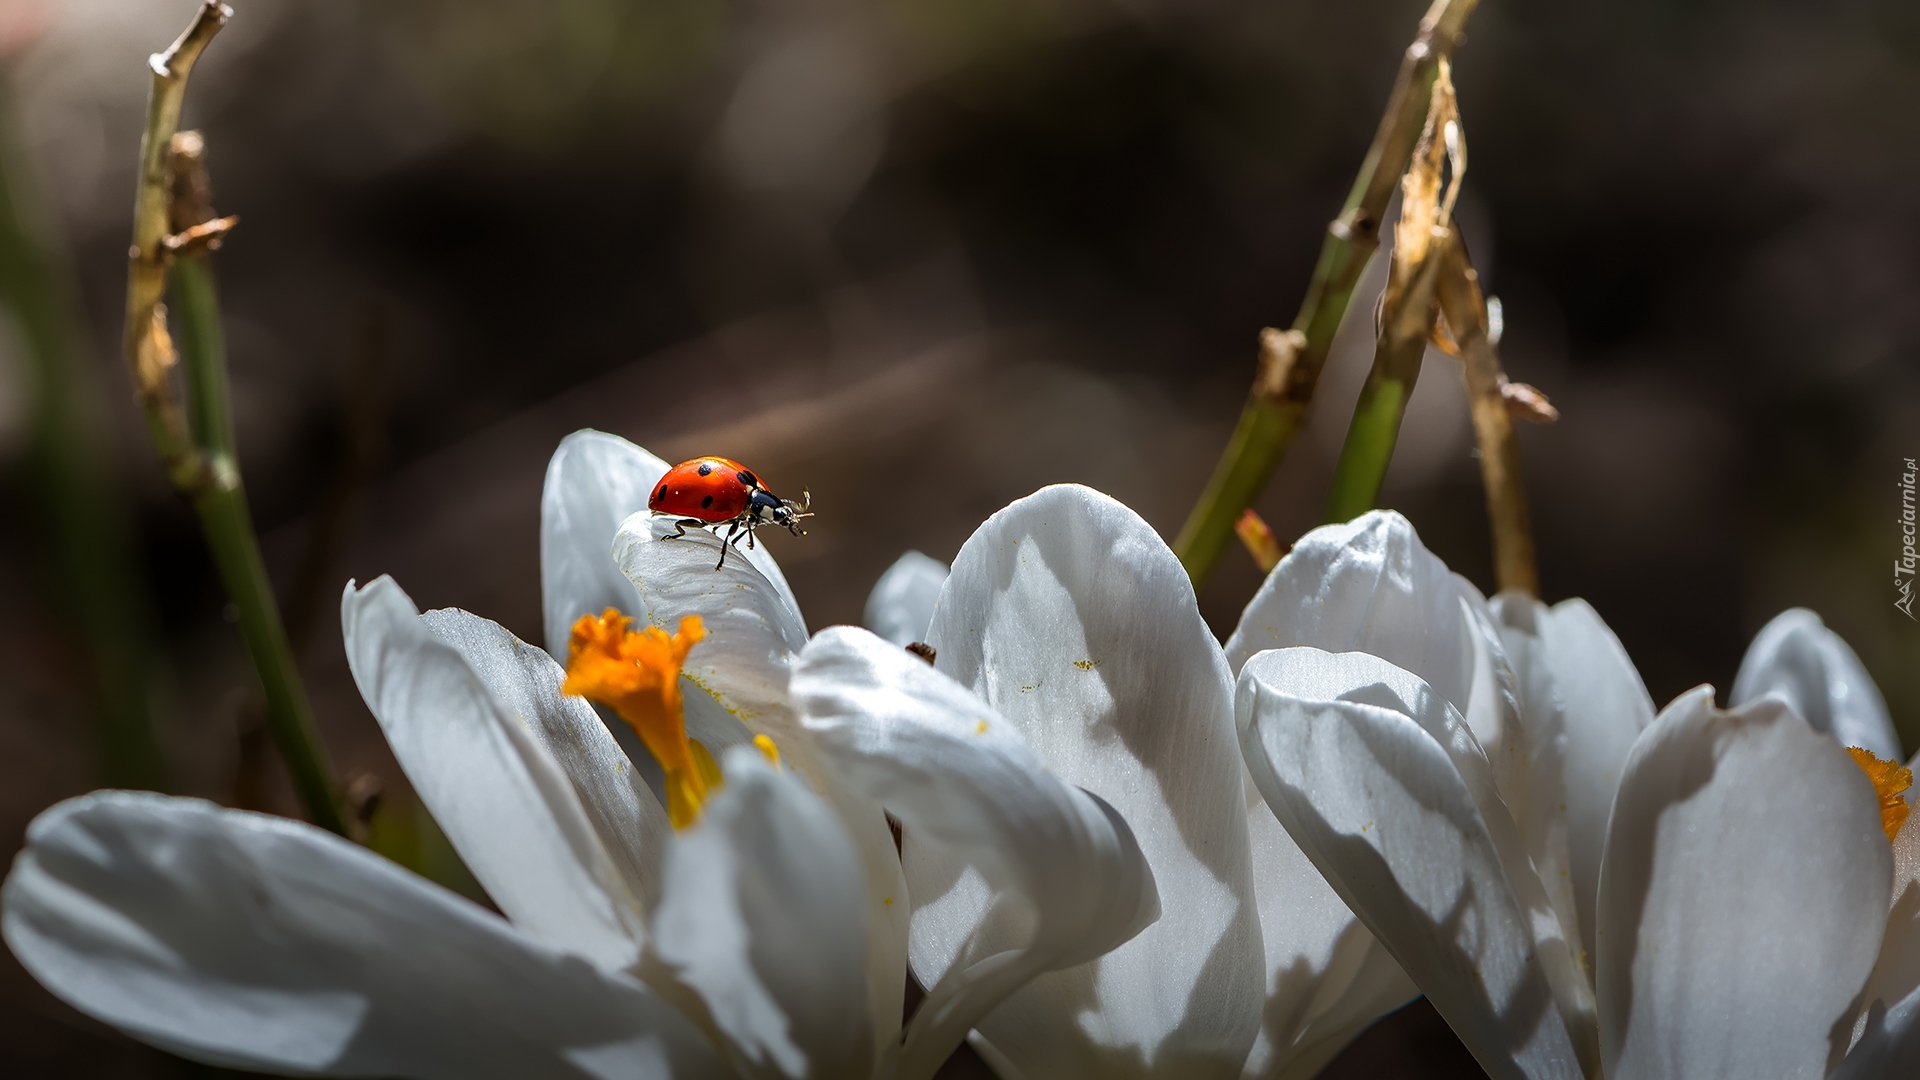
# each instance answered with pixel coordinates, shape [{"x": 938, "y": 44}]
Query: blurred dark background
[{"x": 923, "y": 256}]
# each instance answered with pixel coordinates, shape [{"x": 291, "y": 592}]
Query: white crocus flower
[
  {"x": 1074, "y": 622},
  {"x": 764, "y": 939},
  {"x": 1738, "y": 906}
]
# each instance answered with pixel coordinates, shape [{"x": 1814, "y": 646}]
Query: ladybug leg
[
  {"x": 680, "y": 528},
  {"x": 725, "y": 543}
]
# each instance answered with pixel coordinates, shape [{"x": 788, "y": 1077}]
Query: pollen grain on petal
[
  {"x": 636, "y": 673},
  {"x": 1890, "y": 778}
]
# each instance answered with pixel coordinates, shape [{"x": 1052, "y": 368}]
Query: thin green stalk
[
  {"x": 196, "y": 317},
  {"x": 221, "y": 503},
  {"x": 172, "y": 228},
  {"x": 1370, "y": 441},
  {"x": 1375, "y": 428},
  {"x": 1276, "y": 409},
  {"x": 85, "y": 529}
]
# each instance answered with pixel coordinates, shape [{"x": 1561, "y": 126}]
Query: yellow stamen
[
  {"x": 1890, "y": 778},
  {"x": 704, "y": 764},
  {"x": 766, "y": 747},
  {"x": 637, "y": 674}
]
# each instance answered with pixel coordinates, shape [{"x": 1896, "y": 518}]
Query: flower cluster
[{"x": 1105, "y": 844}]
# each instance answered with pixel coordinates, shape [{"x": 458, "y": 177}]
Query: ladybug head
[{"x": 766, "y": 506}]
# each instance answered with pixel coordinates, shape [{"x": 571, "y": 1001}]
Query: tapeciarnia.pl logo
[{"x": 1903, "y": 566}]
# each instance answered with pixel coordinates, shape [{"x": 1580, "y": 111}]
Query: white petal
[
  {"x": 1383, "y": 786},
  {"x": 1797, "y": 657},
  {"x": 752, "y": 634},
  {"x": 508, "y": 809},
  {"x": 958, "y": 775},
  {"x": 1582, "y": 706},
  {"x": 1742, "y": 898},
  {"x": 1327, "y": 978},
  {"x": 735, "y": 685},
  {"x": 762, "y": 917},
  {"x": 250, "y": 941},
  {"x": 900, "y": 607},
  {"x": 1606, "y": 708},
  {"x": 594, "y": 482},
  {"x": 1368, "y": 586},
  {"x": 625, "y": 815},
  {"x": 1072, "y": 619},
  {"x": 1896, "y": 974}
]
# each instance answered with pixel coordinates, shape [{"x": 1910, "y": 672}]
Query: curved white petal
[
  {"x": 1896, "y": 974},
  {"x": 1327, "y": 978},
  {"x": 1383, "y": 786},
  {"x": 752, "y": 635},
  {"x": 735, "y": 684},
  {"x": 1742, "y": 898},
  {"x": 958, "y": 775},
  {"x": 1073, "y": 620},
  {"x": 900, "y": 607},
  {"x": 1582, "y": 706},
  {"x": 1606, "y": 707},
  {"x": 594, "y": 482},
  {"x": 1368, "y": 586},
  {"x": 251, "y": 941},
  {"x": 762, "y": 917},
  {"x": 510, "y": 811},
  {"x": 625, "y": 815},
  {"x": 1797, "y": 657}
]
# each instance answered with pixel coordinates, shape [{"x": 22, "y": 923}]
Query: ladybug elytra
[{"x": 710, "y": 492}]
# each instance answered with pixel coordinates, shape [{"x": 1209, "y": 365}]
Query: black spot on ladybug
[
  {"x": 706, "y": 502},
  {"x": 747, "y": 479},
  {"x": 705, "y": 468},
  {"x": 661, "y": 494}
]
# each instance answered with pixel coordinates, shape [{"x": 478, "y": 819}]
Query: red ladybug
[{"x": 716, "y": 491}]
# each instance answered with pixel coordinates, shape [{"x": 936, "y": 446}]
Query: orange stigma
[
  {"x": 1890, "y": 778},
  {"x": 636, "y": 673}
]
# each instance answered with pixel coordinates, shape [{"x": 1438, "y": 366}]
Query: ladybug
[{"x": 714, "y": 491}]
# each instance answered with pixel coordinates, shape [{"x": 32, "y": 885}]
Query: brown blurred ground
[{"x": 923, "y": 258}]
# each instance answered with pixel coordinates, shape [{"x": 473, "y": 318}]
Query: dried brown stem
[
  {"x": 1465, "y": 310},
  {"x": 149, "y": 348}
]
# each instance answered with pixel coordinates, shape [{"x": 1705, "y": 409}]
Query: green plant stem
[
  {"x": 220, "y": 501},
  {"x": 1276, "y": 410},
  {"x": 86, "y": 532},
  {"x": 1368, "y": 451},
  {"x": 196, "y": 318},
  {"x": 1407, "y": 325},
  {"x": 197, "y": 450}
]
